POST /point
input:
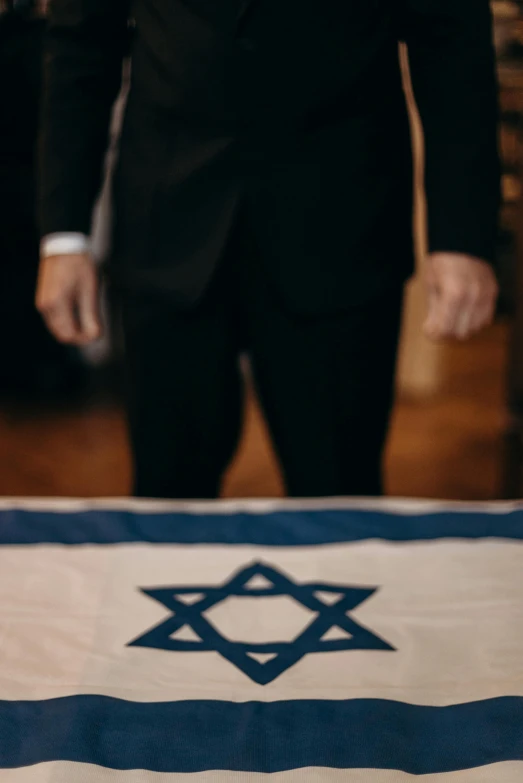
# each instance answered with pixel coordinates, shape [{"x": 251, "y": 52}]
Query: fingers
[
  {"x": 485, "y": 312},
  {"x": 61, "y": 321},
  {"x": 452, "y": 311},
  {"x": 57, "y": 308},
  {"x": 452, "y": 317},
  {"x": 89, "y": 321},
  {"x": 448, "y": 315},
  {"x": 67, "y": 298},
  {"x": 462, "y": 297}
]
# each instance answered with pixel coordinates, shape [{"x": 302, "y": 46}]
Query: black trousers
[{"x": 325, "y": 384}]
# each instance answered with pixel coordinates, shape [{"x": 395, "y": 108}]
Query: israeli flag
[{"x": 243, "y": 643}]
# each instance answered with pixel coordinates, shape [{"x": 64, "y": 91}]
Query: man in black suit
[{"x": 263, "y": 202}]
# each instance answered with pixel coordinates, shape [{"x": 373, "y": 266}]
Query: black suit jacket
[{"x": 291, "y": 109}]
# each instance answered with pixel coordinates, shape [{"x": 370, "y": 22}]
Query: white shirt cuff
[{"x": 64, "y": 244}]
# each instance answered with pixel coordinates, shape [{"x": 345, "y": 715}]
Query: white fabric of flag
[{"x": 243, "y": 642}]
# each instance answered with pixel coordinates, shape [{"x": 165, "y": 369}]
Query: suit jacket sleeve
[
  {"x": 86, "y": 42},
  {"x": 453, "y": 71}
]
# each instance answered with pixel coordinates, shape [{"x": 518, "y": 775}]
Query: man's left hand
[{"x": 462, "y": 293}]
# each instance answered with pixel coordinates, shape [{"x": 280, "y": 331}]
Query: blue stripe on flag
[
  {"x": 282, "y": 528},
  {"x": 261, "y": 737}
]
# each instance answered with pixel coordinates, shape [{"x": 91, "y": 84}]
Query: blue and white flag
[{"x": 244, "y": 643}]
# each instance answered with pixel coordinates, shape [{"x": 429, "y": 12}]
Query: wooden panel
[{"x": 419, "y": 369}]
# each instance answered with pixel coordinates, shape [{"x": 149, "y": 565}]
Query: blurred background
[{"x": 458, "y": 424}]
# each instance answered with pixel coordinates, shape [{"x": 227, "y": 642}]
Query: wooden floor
[{"x": 449, "y": 446}]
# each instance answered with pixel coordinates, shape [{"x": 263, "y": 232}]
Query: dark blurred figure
[
  {"x": 263, "y": 202},
  {"x": 31, "y": 362}
]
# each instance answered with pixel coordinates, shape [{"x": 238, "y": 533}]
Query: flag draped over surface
[{"x": 238, "y": 643}]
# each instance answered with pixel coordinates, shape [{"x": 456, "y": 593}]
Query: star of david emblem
[{"x": 190, "y": 629}]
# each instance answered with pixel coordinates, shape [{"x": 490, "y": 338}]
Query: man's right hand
[{"x": 68, "y": 298}]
